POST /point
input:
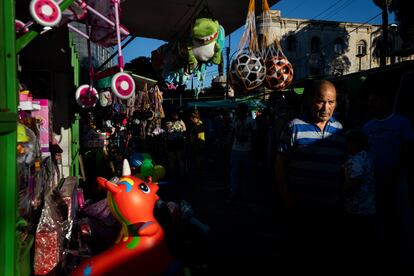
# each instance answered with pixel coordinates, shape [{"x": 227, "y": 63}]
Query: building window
[
  {"x": 315, "y": 45},
  {"x": 361, "y": 48},
  {"x": 291, "y": 43},
  {"x": 339, "y": 46}
]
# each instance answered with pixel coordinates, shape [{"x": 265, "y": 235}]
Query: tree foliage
[{"x": 405, "y": 19}]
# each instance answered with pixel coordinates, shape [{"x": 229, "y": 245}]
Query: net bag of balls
[
  {"x": 247, "y": 70},
  {"x": 279, "y": 71}
]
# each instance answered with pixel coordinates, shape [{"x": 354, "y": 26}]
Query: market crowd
[
  {"x": 337, "y": 175},
  {"x": 343, "y": 188}
]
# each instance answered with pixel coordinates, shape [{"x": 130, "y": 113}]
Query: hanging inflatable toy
[
  {"x": 158, "y": 172},
  {"x": 247, "y": 67},
  {"x": 136, "y": 159},
  {"x": 247, "y": 71},
  {"x": 175, "y": 78},
  {"x": 279, "y": 71},
  {"x": 141, "y": 248},
  {"x": 168, "y": 60},
  {"x": 207, "y": 40},
  {"x": 145, "y": 167}
]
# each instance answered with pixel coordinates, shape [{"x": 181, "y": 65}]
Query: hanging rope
[
  {"x": 247, "y": 67},
  {"x": 249, "y": 37}
]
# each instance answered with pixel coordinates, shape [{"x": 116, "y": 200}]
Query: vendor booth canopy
[{"x": 170, "y": 19}]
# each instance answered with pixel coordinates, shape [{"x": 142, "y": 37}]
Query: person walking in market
[
  {"x": 308, "y": 177},
  {"x": 391, "y": 140},
  {"x": 196, "y": 147},
  {"x": 243, "y": 129}
]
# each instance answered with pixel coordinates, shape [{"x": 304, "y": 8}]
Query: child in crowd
[{"x": 359, "y": 202}]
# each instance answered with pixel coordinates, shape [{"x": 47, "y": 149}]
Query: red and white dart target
[
  {"x": 123, "y": 85},
  {"x": 86, "y": 96},
  {"x": 45, "y": 12}
]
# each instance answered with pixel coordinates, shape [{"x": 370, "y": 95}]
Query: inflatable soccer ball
[
  {"x": 247, "y": 71},
  {"x": 279, "y": 73},
  {"x": 235, "y": 81}
]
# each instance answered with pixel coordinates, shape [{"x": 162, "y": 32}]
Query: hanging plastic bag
[
  {"x": 247, "y": 67},
  {"x": 68, "y": 195},
  {"x": 279, "y": 71},
  {"x": 49, "y": 235}
]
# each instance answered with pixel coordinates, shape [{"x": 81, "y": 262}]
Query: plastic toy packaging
[
  {"x": 55, "y": 226},
  {"x": 28, "y": 187},
  {"x": 49, "y": 236},
  {"x": 68, "y": 193},
  {"x": 27, "y": 145}
]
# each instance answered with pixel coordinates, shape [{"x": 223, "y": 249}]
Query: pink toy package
[{"x": 43, "y": 118}]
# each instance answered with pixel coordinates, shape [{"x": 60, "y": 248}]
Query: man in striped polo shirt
[{"x": 308, "y": 174}]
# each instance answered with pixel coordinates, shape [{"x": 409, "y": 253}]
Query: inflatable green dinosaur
[{"x": 205, "y": 46}]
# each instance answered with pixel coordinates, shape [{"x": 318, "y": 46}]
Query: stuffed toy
[{"x": 205, "y": 45}]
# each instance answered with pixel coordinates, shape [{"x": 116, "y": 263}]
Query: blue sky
[{"x": 359, "y": 11}]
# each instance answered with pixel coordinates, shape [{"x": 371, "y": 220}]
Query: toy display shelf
[{"x": 28, "y": 106}]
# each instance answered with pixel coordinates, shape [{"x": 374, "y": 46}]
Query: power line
[
  {"x": 331, "y": 6},
  {"x": 366, "y": 22},
  {"x": 296, "y": 7},
  {"x": 353, "y": 30},
  {"x": 301, "y": 3},
  {"x": 339, "y": 9}
]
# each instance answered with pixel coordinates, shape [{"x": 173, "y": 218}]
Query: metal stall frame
[
  {"x": 8, "y": 139},
  {"x": 9, "y": 48}
]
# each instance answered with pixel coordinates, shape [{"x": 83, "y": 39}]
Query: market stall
[{"x": 39, "y": 78}]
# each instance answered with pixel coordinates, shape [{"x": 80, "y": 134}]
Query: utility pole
[
  {"x": 383, "y": 4},
  {"x": 384, "y": 42},
  {"x": 228, "y": 69},
  {"x": 221, "y": 65}
]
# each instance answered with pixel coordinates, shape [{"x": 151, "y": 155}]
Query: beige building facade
[{"x": 330, "y": 48}]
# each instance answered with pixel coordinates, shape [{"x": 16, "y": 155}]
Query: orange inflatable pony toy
[{"x": 140, "y": 248}]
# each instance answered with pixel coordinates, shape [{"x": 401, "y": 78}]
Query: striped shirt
[{"x": 315, "y": 159}]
